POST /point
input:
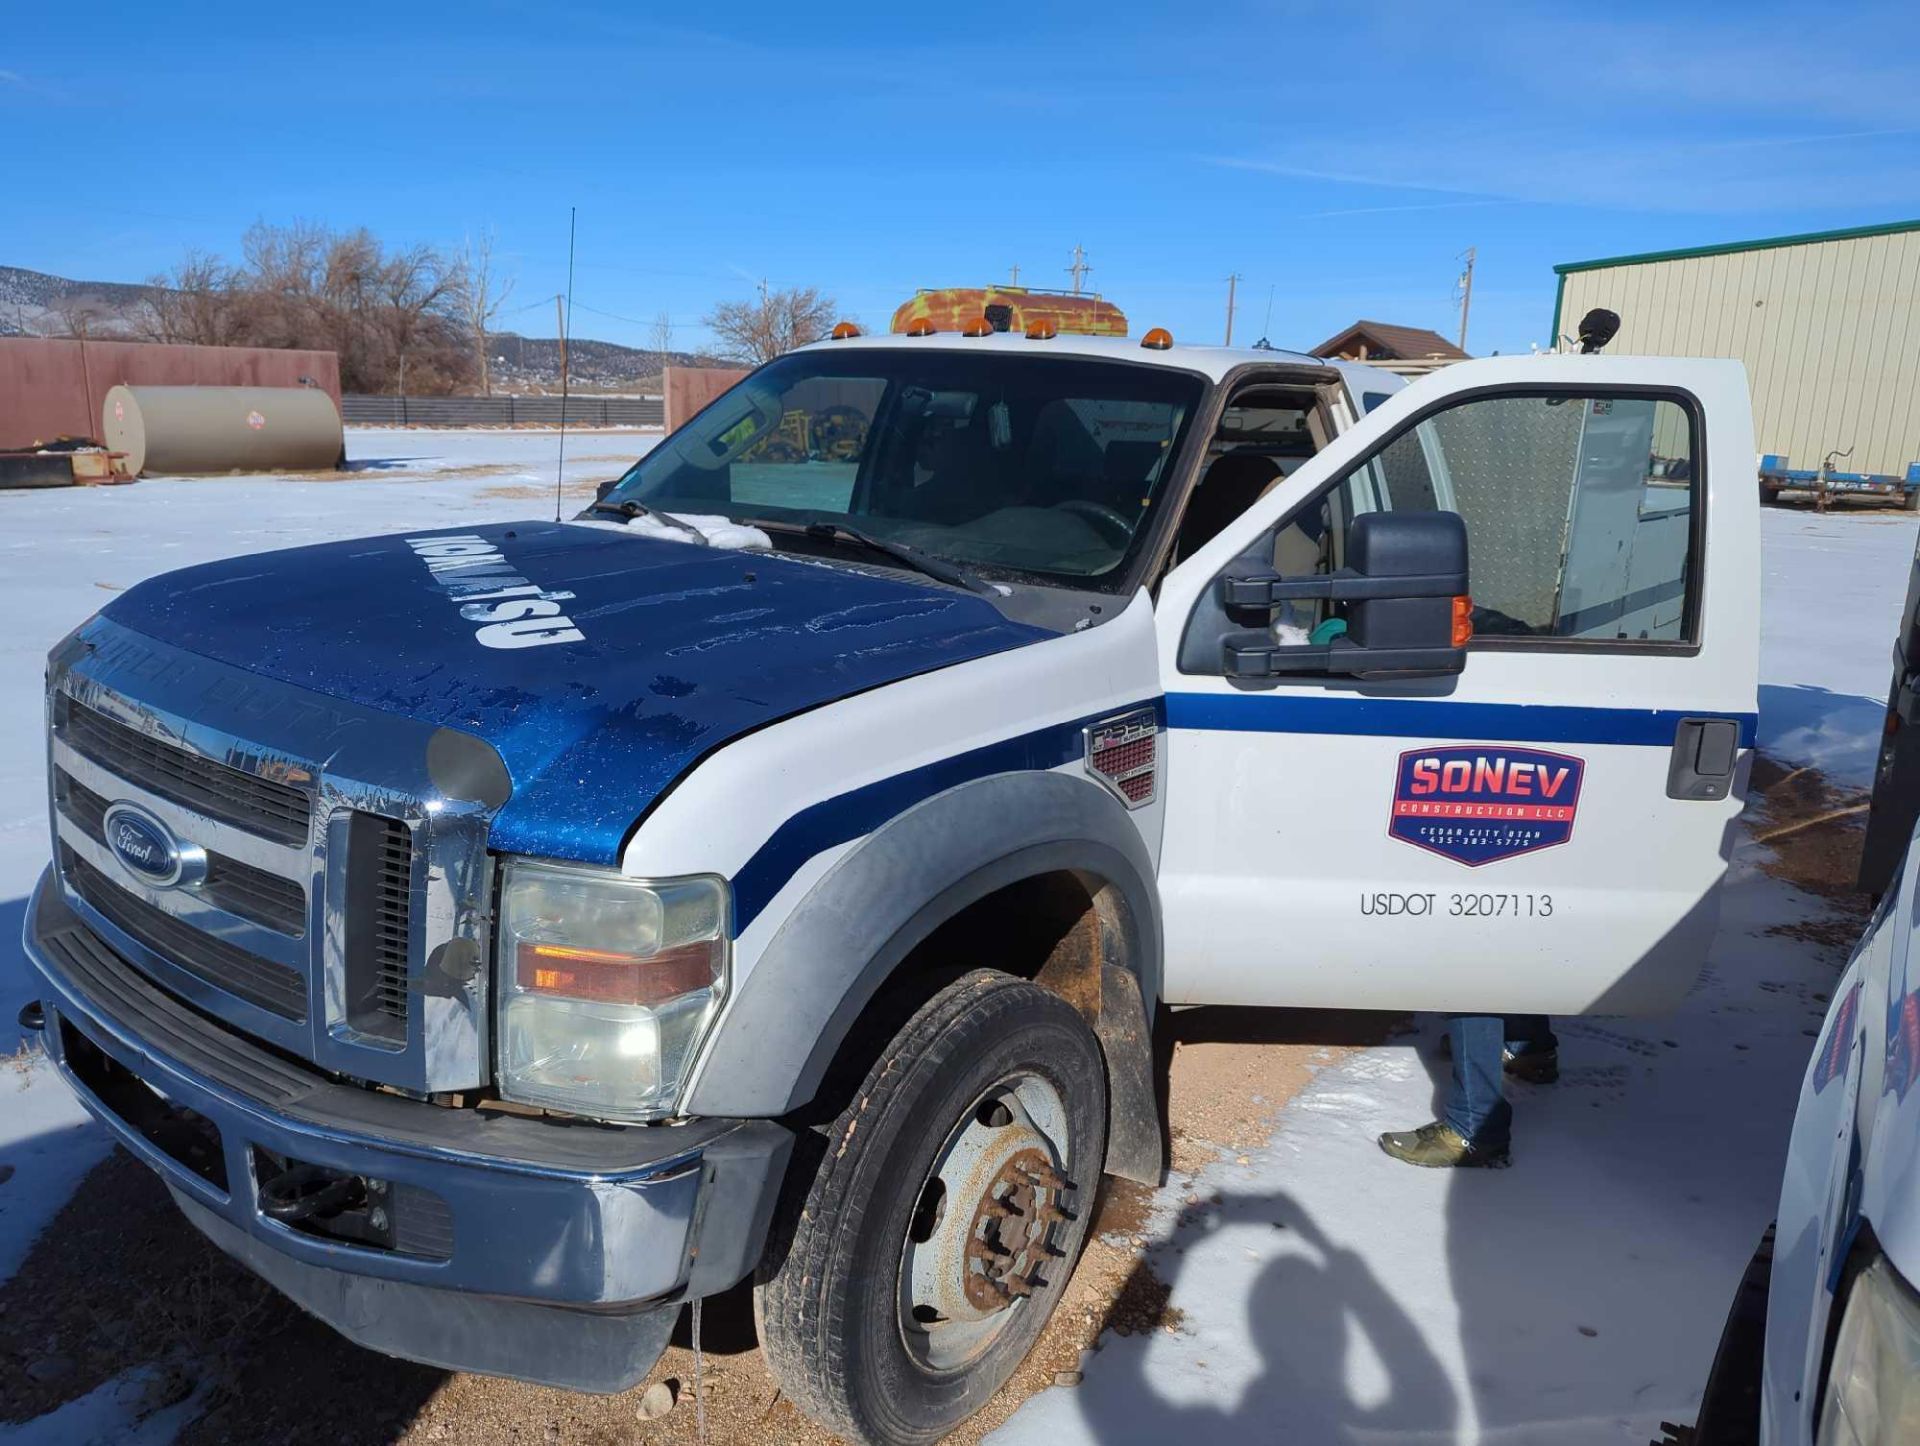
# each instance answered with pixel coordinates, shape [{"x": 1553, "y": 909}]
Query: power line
[{"x": 612, "y": 315}]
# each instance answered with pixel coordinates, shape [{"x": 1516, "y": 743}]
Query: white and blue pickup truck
[
  {"x": 499, "y": 937},
  {"x": 1822, "y": 1343}
]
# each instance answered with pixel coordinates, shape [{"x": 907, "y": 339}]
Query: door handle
[{"x": 1705, "y": 751}]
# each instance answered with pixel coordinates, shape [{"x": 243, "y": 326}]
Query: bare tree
[
  {"x": 772, "y": 324},
  {"x": 662, "y": 339},
  {"x": 77, "y": 316},
  {"x": 194, "y": 303},
  {"x": 482, "y": 294},
  {"x": 394, "y": 317}
]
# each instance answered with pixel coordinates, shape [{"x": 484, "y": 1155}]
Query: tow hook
[
  {"x": 306, "y": 1192},
  {"x": 33, "y": 1016}
]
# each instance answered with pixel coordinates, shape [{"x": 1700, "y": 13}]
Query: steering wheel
[{"x": 1101, "y": 515}]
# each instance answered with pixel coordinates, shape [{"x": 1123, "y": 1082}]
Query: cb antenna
[{"x": 566, "y": 326}]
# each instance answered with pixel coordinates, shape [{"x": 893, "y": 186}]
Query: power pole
[
  {"x": 1466, "y": 297},
  {"x": 560, "y": 321},
  {"x": 1079, "y": 269},
  {"x": 1014, "y": 279},
  {"x": 1233, "y": 283}
]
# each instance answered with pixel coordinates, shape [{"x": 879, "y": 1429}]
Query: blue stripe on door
[
  {"x": 1435, "y": 718},
  {"x": 860, "y": 811}
]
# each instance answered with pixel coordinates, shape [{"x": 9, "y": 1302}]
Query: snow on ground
[
  {"x": 1326, "y": 1293},
  {"x": 1329, "y": 1294},
  {"x": 62, "y": 555}
]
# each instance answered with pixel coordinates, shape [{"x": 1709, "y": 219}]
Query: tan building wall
[{"x": 1828, "y": 326}]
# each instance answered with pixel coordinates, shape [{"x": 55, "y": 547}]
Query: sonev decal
[
  {"x": 513, "y": 612},
  {"x": 1482, "y": 803}
]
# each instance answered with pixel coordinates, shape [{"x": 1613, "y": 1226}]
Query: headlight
[
  {"x": 607, "y": 985},
  {"x": 1873, "y": 1387}
]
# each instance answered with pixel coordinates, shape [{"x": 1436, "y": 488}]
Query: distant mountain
[
  {"x": 33, "y": 303},
  {"x": 535, "y": 361}
]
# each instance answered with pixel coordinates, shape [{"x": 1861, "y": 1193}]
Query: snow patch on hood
[{"x": 719, "y": 532}]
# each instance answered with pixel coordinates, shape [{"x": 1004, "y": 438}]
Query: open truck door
[{"x": 1367, "y": 807}]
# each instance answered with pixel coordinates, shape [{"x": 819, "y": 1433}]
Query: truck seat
[{"x": 1231, "y": 484}]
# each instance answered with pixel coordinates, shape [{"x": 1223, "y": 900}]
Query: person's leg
[
  {"x": 1477, "y": 1108},
  {"x": 1478, "y": 1122},
  {"x": 1532, "y": 1051},
  {"x": 1529, "y": 1034}
]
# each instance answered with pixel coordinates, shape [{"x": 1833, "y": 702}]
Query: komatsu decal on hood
[
  {"x": 512, "y": 612},
  {"x": 669, "y": 650}
]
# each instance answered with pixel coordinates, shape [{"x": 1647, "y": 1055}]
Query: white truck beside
[{"x": 498, "y": 937}]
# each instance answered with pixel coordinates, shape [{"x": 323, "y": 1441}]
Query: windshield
[{"x": 1048, "y": 466}]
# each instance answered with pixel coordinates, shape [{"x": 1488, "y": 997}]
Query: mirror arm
[
  {"x": 1265, "y": 589},
  {"x": 1257, "y": 655}
]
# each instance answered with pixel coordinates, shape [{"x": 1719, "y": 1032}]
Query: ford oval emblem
[{"x": 148, "y": 850}]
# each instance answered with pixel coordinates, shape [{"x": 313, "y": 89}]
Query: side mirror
[
  {"x": 601, "y": 489},
  {"x": 1402, "y": 595}
]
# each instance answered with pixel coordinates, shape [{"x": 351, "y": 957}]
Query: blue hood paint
[{"x": 684, "y": 648}]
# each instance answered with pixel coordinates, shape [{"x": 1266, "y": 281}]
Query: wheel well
[
  {"x": 1018, "y": 929},
  {"x": 1066, "y": 930}
]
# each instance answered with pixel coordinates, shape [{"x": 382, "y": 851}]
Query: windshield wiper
[
  {"x": 900, "y": 552},
  {"x": 627, "y": 511}
]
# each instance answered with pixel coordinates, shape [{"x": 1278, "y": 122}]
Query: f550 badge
[{"x": 1479, "y": 804}]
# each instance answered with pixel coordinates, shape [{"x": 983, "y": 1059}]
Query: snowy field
[{"x": 1325, "y": 1294}]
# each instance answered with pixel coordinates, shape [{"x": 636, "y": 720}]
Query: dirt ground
[{"x": 119, "y": 1279}]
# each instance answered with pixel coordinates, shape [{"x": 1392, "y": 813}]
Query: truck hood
[{"x": 641, "y": 655}]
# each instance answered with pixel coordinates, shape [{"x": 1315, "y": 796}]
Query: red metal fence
[
  {"x": 688, "y": 389},
  {"x": 52, "y": 388}
]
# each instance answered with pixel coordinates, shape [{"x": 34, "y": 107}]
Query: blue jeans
[{"x": 1477, "y": 1106}]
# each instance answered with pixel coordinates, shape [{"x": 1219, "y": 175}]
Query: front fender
[{"x": 887, "y": 895}]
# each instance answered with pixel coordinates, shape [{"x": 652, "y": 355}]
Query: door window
[{"x": 1580, "y": 511}]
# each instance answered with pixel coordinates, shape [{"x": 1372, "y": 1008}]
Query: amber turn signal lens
[
  {"x": 1042, "y": 328},
  {"x": 845, "y": 329},
  {"x": 608, "y": 978},
  {"x": 920, "y": 326},
  {"x": 978, "y": 326},
  {"x": 1462, "y": 621},
  {"x": 1159, "y": 339}
]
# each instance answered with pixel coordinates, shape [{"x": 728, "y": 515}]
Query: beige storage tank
[{"x": 184, "y": 430}]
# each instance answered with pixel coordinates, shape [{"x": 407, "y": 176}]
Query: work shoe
[
  {"x": 1534, "y": 1066},
  {"x": 1439, "y": 1146}
]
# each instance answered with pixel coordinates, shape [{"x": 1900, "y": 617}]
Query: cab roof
[{"x": 1215, "y": 362}]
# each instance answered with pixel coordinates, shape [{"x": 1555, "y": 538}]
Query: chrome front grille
[
  {"x": 379, "y": 923},
  {"x": 321, "y": 886},
  {"x": 240, "y": 888},
  {"x": 259, "y": 805},
  {"x": 274, "y": 987}
]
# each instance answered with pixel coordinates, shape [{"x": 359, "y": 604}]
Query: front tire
[{"x": 913, "y": 1271}]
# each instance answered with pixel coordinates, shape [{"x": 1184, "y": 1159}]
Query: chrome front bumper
[{"x": 548, "y": 1251}]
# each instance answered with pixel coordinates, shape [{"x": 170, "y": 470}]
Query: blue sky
[{"x": 1340, "y": 158}]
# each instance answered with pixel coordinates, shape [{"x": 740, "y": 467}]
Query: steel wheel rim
[{"x": 988, "y": 1218}]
